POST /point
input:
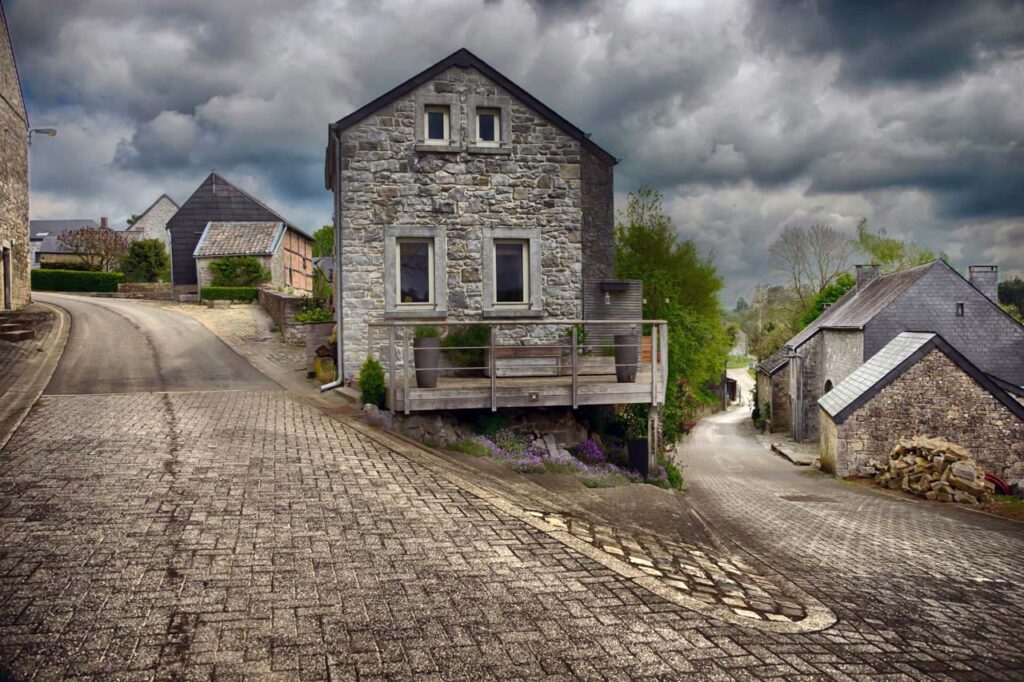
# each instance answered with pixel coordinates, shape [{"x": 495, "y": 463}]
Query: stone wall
[
  {"x": 13, "y": 181},
  {"x": 934, "y": 397},
  {"x": 388, "y": 179},
  {"x": 205, "y": 276},
  {"x": 774, "y": 390},
  {"x": 153, "y": 223},
  {"x": 162, "y": 291},
  {"x": 842, "y": 352},
  {"x": 807, "y": 371},
  {"x": 280, "y": 306}
]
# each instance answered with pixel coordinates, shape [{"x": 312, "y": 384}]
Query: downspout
[{"x": 336, "y": 190}]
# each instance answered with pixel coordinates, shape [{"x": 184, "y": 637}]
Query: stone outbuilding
[
  {"x": 283, "y": 251},
  {"x": 15, "y": 287},
  {"x": 772, "y": 389},
  {"x": 920, "y": 385},
  {"x": 459, "y": 196},
  {"x": 152, "y": 223}
]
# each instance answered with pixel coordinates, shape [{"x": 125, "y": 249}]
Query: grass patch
[{"x": 470, "y": 447}]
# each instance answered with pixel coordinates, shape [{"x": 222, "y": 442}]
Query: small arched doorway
[{"x": 828, "y": 386}]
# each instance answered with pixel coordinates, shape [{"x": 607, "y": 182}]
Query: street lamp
[{"x": 49, "y": 132}]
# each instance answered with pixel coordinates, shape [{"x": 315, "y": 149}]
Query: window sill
[
  {"x": 437, "y": 148},
  {"x": 421, "y": 314},
  {"x": 512, "y": 312},
  {"x": 503, "y": 150}
]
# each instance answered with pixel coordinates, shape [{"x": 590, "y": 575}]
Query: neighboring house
[
  {"x": 15, "y": 286},
  {"x": 215, "y": 201},
  {"x": 919, "y": 384},
  {"x": 773, "y": 389},
  {"x": 44, "y": 245},
  {"x": 460, "y": 196},
  {"x": 282, "y": 250},
  {"x": 928, "y": 298},
  {"x": 152, "y": 223}
]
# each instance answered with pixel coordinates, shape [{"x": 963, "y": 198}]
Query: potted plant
[
  {"x": 426, "y": 351},
  {"x": 636, "y": 439},
  {"x": 627, "y": 353}
]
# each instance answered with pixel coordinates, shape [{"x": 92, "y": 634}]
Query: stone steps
[{"x": 15, "y": 335}]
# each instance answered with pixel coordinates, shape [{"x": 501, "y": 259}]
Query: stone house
[
  {"x": 15, "y": 286},
  {"x": 772, "y": 389},
  {"x": 928, "y": 298},
  {"x": 282, "y": 250},
  {"x": 152, "y": 223},
  {"x": 460, "y": 196},
  {"x": 215, "y": 201},
  {"x": 919, "y": 384}
]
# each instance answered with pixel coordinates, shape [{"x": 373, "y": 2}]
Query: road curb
[{"x": 20, "y": 398}]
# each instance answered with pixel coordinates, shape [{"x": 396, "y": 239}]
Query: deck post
[
  {"x": 575, "y": 402},
  {"x": 391, "y": 368},
  {"x": 664, "y": 358},
  {"x": 494, "y": 372},
  {"x": 405, "y": 368},
  {"x": 655, "y": 347}
]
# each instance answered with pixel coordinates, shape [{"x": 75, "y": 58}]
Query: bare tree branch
[{"x": 98, "y": 248}]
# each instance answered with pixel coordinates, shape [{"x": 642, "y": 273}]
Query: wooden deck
[{"x": 460, "y": 393}]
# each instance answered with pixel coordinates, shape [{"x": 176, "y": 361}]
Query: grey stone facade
[
  {"x": 14, "y": 233},
  {"x": 273, "y": 264},
  {"x": 934, "y": 397},
  {"x": 773, "y": 390},
  {"x": 152, "y": 224},
  {"x": 534, "y": 182}
]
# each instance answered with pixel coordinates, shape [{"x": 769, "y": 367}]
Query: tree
[
  {"x": 827, "y": 296},
  {"x": 1011, "y": 292},
  {"x": 680, "y": 286},
  {"x": 811, "y": 257},
  {"x": 133, "y": 218},
  {"x": 146, "y": 261},
  {"x": 323, "y": 241},
  {"x": 238, "y": 271},
  {"x": 98, "y": 248},
  {"x": 1013, "y": 311},
  {"x": 741, "y": 305},
  {"x": 890, "y": 253}
]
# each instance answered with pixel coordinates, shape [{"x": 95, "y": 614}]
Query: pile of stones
[{"x": 935, "y": 469}]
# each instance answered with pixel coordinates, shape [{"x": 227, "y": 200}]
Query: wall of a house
[
  {"x": 842, "y": 352},
  {"x": 297, "y": 255},
  {"x": 13, "y": 180},
  {"x": 387, "y": 181},
  {"x": 934, "y": 397},
  {"x": 806, "y": 377},
  {"x": 154, "y": 223},
  {"x": 205, "y": 276},
  {"x": 987, "y": 336},
  {"x": 780, "y": 400}
]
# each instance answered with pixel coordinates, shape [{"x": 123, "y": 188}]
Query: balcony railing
[{"x": 526, "y": 363}]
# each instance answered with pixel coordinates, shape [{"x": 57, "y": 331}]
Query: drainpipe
[{"x": 336, "y": 189}]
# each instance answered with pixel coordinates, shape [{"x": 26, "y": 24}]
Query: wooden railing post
[
  {"x": 664, "y": 359},
  {"x": 654, "y": 364},
  {"x": 575, "y": 402},
  {"x": 391, "y": 368},
  {"x": 494, "y": 371},
  {"x": 405, "y": 368}
]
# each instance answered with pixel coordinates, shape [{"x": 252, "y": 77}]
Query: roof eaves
[
  {"x": 278, "y": 237},
  {"x": 199, "y": 244}
]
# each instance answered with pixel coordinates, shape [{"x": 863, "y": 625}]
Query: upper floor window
[
  {"x": 488, "y": 127},
  {"x": 436, "y": 124},
  {"x": 959, "y": 309},
  {"x": 415, "y": 271},
  {"x": 511, "y": 271}
]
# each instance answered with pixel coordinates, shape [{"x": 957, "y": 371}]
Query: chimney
[
  {"x": 104, "y": 223},
  {"x": 866, "y": 274},
  {"x": 985, "y": 278}
]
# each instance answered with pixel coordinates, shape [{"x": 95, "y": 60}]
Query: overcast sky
[{"x": 747, "y": 116}]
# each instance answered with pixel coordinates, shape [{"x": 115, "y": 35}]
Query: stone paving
[{"x": 12, "y": 354}]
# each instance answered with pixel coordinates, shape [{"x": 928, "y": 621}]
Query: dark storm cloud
[
  {"x": 748, "y": 116},
  {"x": 902, "y": 41}
]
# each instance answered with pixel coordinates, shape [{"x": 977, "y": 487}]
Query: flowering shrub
[{"x": 590, "y": 451}]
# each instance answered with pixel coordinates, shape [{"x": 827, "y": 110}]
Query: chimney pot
[
  {"x": 985, "y": 278},
  {"x": 104, "y": 223},
  {"x": 866, "y": 274}
]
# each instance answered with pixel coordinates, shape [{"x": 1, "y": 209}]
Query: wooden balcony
[{"x": 525, "y": 364}]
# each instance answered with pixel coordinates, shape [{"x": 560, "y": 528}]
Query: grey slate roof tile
[{"x": 254, "y": 238}]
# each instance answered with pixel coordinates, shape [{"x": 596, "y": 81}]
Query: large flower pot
[
  {"x": 637, "y": 450},
  {"x": 627, "y": 351},
  {"x": 426, "y": 354}
]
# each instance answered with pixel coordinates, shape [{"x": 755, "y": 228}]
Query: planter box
[{"x": 524, "y": 361}]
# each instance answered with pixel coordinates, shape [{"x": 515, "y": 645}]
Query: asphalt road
[{"x": 118, "y": 346}]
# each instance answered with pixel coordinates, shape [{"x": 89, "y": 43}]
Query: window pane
[
  {"x": 435, "y": 125},
  {"x": 487, "y": 127},
  {"x": 414, "y": 272},
  {"x": 510, "y": 283}
]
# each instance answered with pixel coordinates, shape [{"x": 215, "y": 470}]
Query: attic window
[
  {"x": 436, "y": 124},
  {"x": 488, "y": 127},
  {"x": 959, "y": 309}
]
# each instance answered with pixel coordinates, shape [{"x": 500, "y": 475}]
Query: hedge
[
  {"x": 75, "y": 280},
  {"x": 228, "y": 293},
  {"x": 66, "y": 266}
]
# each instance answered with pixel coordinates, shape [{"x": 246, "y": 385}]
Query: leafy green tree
[
  {"x": 147, "y": 261},
  {"x": 238, "y": 271},
  {"x": 1011, "y": 293},
  {"x": 1013, "y": 311},
  {"x": 323, "y": 241},
  {"x": 827, "y": 296},
  {"x": 680, "y": 286},
  {"x": 890, "y": 253},
  {"x": 741, "y": 305}
]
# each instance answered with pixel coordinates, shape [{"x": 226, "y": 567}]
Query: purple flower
[{"x": 590, "y": 451}]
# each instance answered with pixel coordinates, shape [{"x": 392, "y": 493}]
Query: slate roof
[
  {"x": 890, "y": 362},
  {"x": 239, "y": 239},
  {"x": 461, "y": 58},
  {"x": 774, "y": 362},
  {"x": 39, "y": 229},
  {"x": 856, "y": 308}
]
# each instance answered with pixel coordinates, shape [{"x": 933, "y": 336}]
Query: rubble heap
[{"x": 935, "y": 469}]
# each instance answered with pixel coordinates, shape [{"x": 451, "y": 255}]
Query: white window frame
[
  {"x": 525, "y": 270},
  {"x": 533, "y": 306},
  {"x": 496, "y": 113},
  {"x": 431, "y": 301},
  {"x": 443, "y": 109},
  {"x": 438, "y": 306}
]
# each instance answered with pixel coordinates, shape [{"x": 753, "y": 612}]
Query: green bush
[
  {"x": 489, "y": 423},
  {"x": 426, "y": 332},
  {"x": 75, "y": 280},
  {"x": 78, "y": 267},
  {"x": 314, "y": 315},
  {"x": 238, "y": 271},
  {"x": 371, "y": 382},
  {"x": 147, "y": 259},
  {"x": 464, "y": 346},
  {"x": 228, "y": 293}
]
